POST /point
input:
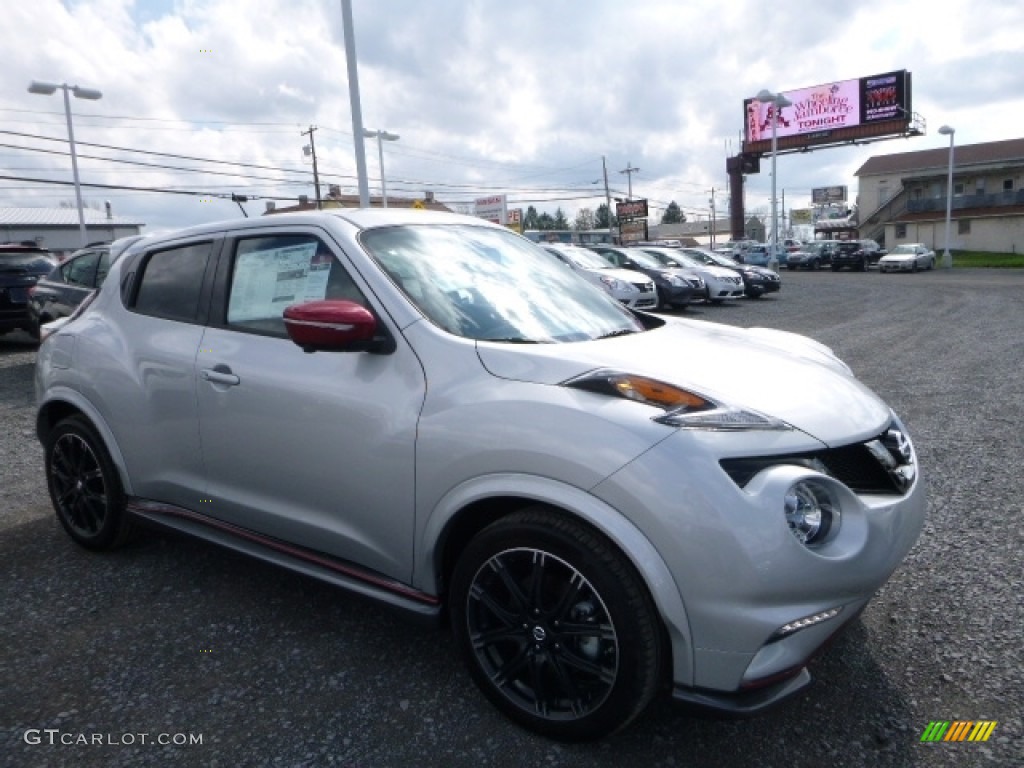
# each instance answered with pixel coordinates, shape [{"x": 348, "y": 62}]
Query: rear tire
[
  {"x": 85, "y": 487},
  {"x": 556, "y": 625}
]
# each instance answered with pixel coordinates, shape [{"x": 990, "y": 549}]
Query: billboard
[
  {"x": 631, "y": 209},
  {"x": 826, "y": 195},
  {"x": 831, "y": 113}
]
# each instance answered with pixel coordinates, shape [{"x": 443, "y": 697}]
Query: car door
[{"x": 313, "y": 449}]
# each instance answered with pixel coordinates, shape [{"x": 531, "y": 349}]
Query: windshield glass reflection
[{"x": 488, "y": 284}]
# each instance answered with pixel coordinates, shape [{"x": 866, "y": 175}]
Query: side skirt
[{"x": 340, "y": 573}]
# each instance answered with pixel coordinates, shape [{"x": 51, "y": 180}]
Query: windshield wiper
[
  {"x": 515, "y": 340},
  {"x": 620, "y": 332}
]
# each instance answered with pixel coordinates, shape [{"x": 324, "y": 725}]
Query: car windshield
[
  {"x": 684, "y": 259},
  {"x": 488, "y": 284},
  {"x": 712, "y": 258},
  {"x": 663, "y": 258},
  {"x": 903, "y": 249},
  {"x": 645, "y": 260},
  {"x": 585, "y": 258}
]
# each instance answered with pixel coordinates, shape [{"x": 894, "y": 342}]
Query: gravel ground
[{"x": 175, "y": 637}]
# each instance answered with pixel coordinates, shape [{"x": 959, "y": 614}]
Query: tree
[
  {"x": 530, "y": 219},
  {"x": 601, "y": 217},
  {"x": 673, "y": 215},
  {"x": 560, "y": 221},
  {"x": 584, "y": 219},
  {"x": 544, "y": 221}
]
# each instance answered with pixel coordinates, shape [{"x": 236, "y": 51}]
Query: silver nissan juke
[{"x": 425, "y": 408}]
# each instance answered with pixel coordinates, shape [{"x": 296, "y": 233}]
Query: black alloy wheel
[
  {"x": 84, "y": 486},
  {"x": 556, "y": 626}
]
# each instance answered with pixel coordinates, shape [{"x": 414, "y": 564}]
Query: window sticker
[{"x": 267, "y": 281}]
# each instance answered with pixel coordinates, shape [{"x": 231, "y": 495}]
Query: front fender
[{"x": 578, "y": 503}]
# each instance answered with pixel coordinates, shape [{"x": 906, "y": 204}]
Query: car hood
[
  {"x": 707, "y": 269},
  {"x": 784, "y": 375},
  {"x": 625, "y": 275}
]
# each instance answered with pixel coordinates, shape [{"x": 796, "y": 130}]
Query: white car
[
  {"x": 722, "y": 283},
  {"x": 908, "y": 257},
  {"x": 635, "y": 290}
]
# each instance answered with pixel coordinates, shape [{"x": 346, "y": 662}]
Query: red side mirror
[{"x": 330, "y": 324}]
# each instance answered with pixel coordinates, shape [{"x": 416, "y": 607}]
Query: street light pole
[
  {"x": 47, "y": 89},
  {"x": 777, "y": 101},
  {"x": 382, "y": 136},
  {"x": 947, "y": 257}
]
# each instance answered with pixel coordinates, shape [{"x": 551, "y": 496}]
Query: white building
[{"x": 57, "y": 229}]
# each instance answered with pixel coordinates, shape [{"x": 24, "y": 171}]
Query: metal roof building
[{"x": 57, "y": 228}]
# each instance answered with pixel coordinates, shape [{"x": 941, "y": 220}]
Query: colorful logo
[{"x": 958, "y": 730}]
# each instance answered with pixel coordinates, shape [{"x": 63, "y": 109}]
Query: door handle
[{"x": 220, "y": 375}]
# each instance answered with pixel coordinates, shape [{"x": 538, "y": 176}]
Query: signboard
[
  {"x": 631, "y": 209},
  {"x": 493, "y": 208},
  {"x": 844, "y": 110},
  {"x": 826, "y": 195},
  {"x": 800, "y": 216},
  {"x": 515, "y": 220},
  {"x": 633, "y": 231}
]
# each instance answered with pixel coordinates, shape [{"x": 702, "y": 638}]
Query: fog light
[
  {"x": 811, "y": 512},
  {"x": 806, "y": 621}
]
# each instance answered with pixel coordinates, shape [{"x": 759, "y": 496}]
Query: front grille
[{"x": 853, "y": 465}]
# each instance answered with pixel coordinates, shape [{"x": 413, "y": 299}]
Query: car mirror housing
[{"x": 335, "y": 326}]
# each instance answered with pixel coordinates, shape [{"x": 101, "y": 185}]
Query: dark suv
[
  {"x": 21, "y": 267},
  {"x": 856, "y": 254}
]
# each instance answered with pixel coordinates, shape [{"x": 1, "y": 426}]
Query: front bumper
[
  {"x": 896, "y": 266},
  {"x": 742, "y": 574}
]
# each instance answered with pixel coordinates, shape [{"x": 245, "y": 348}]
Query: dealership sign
[
  {"x": 493, "y": 208},
  {"x": 633, "y": 231},
  {"x": 831, "y": 112}
]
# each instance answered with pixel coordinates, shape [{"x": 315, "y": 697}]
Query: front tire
[
  {"x": 556, "y": 626},
  {"x": 85, "y": 487}
]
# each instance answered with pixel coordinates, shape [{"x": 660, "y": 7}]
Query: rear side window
[{"x": 171, "y": 282}]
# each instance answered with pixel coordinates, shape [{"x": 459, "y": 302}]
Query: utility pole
[
  {"x": 312, "y": 151},
  {"x": 607, "y": 199},
  {"x": 629, "y": 175},
  {"x": 713, "y": 218}
]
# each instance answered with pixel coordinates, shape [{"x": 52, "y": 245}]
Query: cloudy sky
[{"x": 210, "y": 97}]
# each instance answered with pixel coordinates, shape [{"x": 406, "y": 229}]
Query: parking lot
[{"x": 172, "y": 637}]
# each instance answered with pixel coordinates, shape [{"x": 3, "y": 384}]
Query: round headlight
[{"x": 812, "y": 512}]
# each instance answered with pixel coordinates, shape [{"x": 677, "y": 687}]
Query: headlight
[
  {"x": 613, "y": 284},
  {"x": 812, "y": 512},
  {"x": 676, "y": 281},
  {"x": 681, "y": 407}
]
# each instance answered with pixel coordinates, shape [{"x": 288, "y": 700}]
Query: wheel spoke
[
  {"x": 506, "y": 617},
  {"x": 504, "y": 673},
  {"x": 515, "y": 591},
  {"x": 604, "y": 673},
  {"x": 572, "y": 693}
]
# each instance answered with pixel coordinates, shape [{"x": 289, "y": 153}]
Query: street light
[
  {"x": 382, "y": 136},
  {"x": 48, "y": 89},
  {"x": 778, "y": 101},
  {"x": 947, "y": 257}
]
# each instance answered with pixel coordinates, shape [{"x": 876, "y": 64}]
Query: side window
[
  {"x": 171, "y": 281},
  {"x": 103, "y": 268},
  {"x": 81, "y": 271},
  {"x": 272, "y": 273}
]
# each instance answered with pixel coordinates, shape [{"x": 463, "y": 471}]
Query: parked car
[
  {"x": 623, "y": 284},
  {"x": 858, "y": 255},
  {"x": 21, "y": 267},
  {"x": 792, "y": 244},
  {"x": 757, "y": 281},
  {"x": 427, "y": 409},
  {"x": 675, "y": 289},
  {"x": 908, "y": 257},
  {"x": 761, "y": 255},
  {"x": 69, "y": 283},
  {"x": 737, "y": 247},
  {"x": 720, "y": 284},
  {"x": 813, "y": 256}
]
